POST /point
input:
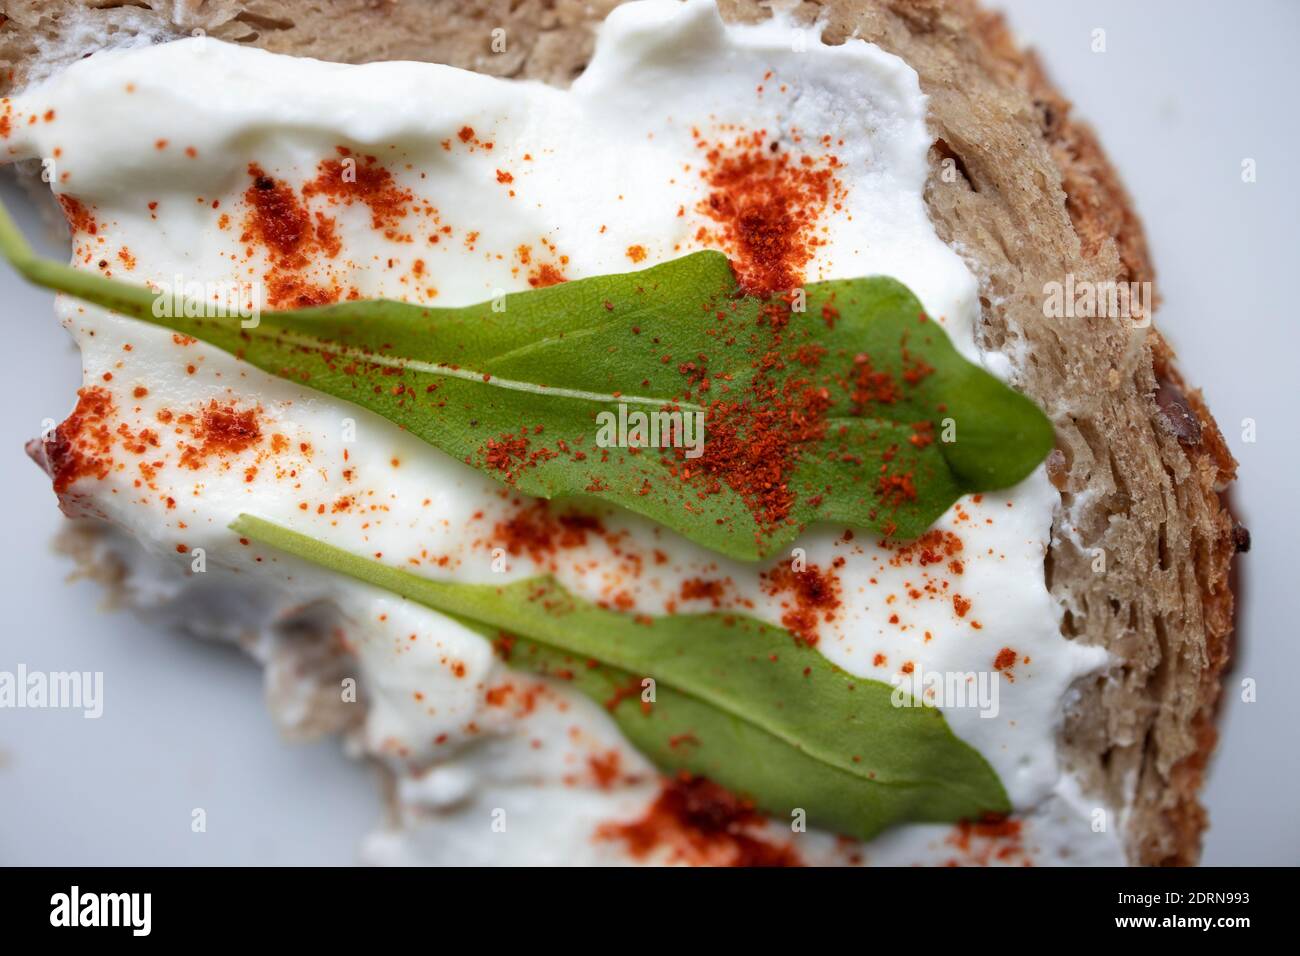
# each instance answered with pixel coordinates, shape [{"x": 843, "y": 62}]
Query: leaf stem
[{"x": 135, "y": 301}]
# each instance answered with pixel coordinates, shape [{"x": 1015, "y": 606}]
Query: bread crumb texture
[{"x": 1140, "y": 464}]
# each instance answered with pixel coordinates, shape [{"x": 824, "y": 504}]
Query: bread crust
[{"x": 1140, "y": 463}]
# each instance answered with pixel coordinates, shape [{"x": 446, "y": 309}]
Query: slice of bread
[{"x": 1140, "y": 464}]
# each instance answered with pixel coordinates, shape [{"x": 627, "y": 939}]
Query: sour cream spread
[{"x": 465, "y": 187}]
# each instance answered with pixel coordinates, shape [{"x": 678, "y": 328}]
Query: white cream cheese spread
[{"x": 469, "y": 187}]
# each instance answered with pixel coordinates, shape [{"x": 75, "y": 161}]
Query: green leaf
[
  {"x": 845, "y": 411},
  {"x": 736, "y": 700}
]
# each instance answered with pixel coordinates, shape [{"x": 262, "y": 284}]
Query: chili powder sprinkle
[
  {"x": 814, "y": 596},
  {"x": 766, "y": 206},
  {"x": 700, "y": 823}
]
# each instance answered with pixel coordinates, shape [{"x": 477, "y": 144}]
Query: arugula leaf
[
  {"x": 856, "y": 409},
  {"x": 736, "y": 700}
]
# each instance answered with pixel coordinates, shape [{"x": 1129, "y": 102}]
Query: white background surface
[{"x": 1184, "y": 92}]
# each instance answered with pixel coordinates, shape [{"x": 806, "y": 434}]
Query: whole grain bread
[{"x": 1140, "y": 464}]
